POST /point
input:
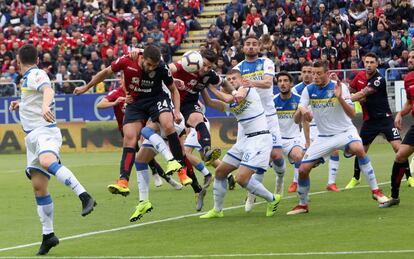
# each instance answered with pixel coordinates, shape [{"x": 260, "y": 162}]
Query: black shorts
[
  {"x": 188, "y": 108},
  {"x": 372, "y": 128},
  {"x": 143, "y": 109},
  {"x": 409, "y": 137}
]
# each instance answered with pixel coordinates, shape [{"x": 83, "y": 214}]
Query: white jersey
[
  {"x": 298, "y": 89},
  {"x": 30, "y": 107},
  {"x": 285, "y": 111},
  {"x": 255, "y": 70},
  {"x": 250, "y": 113},
  {"x": 328, "y": 113}
]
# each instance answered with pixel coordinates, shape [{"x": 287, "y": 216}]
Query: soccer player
[
  {"x": 251, "y": 152},
  {"x": 332, "y": 109},
  {"x": 259, "y": 73},
  {"x": 189, "y": 89},
  {"x": 149, "y": 148},
  {"x": 406, "y": 148},
  {"x": 191, "y": 143},
  {"x": 146, "y": 98},
  {"x": 43, "y": 142},
  {"x": 371, "y": 91},
  {"x": 286, "y": 103},
  {"x": 116, "y": 100},
  {"x": 311, "y": 132}
]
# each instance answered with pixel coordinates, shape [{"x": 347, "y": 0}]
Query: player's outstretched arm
[
  {"x": 306, "y": 131},
  {"x": 404, "y": 111},
  {"x": 348, "y": 109},
  {"x": 102, "y": 75},
  {"x": 48, "y": 95},
  {"x": 105, "y": 103},
  {"x": 213, "y": 103},
  {"x": 265, "y": 83},
  {"x": 227, "y": 98}
]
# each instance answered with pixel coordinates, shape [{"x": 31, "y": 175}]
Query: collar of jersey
[{"x": 27, "y": 72}]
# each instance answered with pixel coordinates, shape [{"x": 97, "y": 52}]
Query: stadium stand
[{"x": 77, "y": 38}]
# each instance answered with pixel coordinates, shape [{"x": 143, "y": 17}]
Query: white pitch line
[
  {"x": 229, "y": 255},
  {"x": 155, "y": 222}
]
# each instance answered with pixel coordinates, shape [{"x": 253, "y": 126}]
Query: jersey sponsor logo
[
  {"x": 238, "y": 108},
  {"x": 285, "y": 114},
  {"x": 257, "y": 75},
  {"x": 324, "y": 103}
]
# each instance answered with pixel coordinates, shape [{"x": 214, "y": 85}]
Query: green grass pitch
[{"x": 348, "y": 222}]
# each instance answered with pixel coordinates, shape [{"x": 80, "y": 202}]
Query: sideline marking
[{"x": 156, "y": 222}]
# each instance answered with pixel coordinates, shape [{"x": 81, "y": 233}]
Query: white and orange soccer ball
[{"x": 192, "y": 61}]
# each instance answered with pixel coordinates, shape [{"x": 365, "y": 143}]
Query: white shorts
[
  {"x": 274, "y": 129},
  {"x": 313, "y": 133},
  {"x": 289, "y": 143},
  {"x": 323, "y": 146},
  {"x": 253, "y": 152},
  {"x": 273, "y": 126},
  {"x": 39, "y": 141},
  {"x": 192, "y": 141}
]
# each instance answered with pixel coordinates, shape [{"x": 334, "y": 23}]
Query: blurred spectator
[
  {"x": 235, "y": 6},
  {"x": 120, "y": 48},
  {"x": 109, "y": 57},
  {"x": 42, "y": 17},
  {"x": 259, "y": 28},
  {"x": 89, "y": 72},
  {"x": 236, "y": 21}
]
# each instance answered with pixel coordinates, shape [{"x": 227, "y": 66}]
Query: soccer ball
[{"x": 192, "y": 61}]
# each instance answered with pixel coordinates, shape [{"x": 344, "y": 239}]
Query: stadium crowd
[{"x": 76, "y": 39}]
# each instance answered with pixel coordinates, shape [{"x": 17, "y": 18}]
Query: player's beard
[{"x": 251, "y": 56}]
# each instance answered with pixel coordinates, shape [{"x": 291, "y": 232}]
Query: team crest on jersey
[
  {"x": 294, "y": 106},
  {"x": 259, "y": 67},
  {"x": 193, "y": 82},
  {"x": 152, "y": 74},
  {"x": 330, "y": 93},
  {"x": 377, "y": 83},
  {"x": 135, "y": 80}
]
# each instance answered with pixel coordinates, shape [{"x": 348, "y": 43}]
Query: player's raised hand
[
  {"x": 134, "y": 54},
  {"x": 177, "y": 116},
  {"x": 129, "y": 99},
  {"x": 14, "y": 105},
  {"x": 47, "y": 114},
  {"x": 80, "y": 90},
  {"x": 338, "y": 90},
  {"x": 247, "y": 82}
]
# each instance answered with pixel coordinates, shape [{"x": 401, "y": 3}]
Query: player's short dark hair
[
  {"x": 152, "y": 52},
  {"x": 251, "y": 37},
  {"x": 28, "y": 55},
  {"x": 372, "y": 55},
  {"x": 322, "y": 64},
  {"x": 209, "y": 54},
  {"x": 233, "y": 71},
  {"x": 306, "y": 64},
  {"x": 284, "y": 73}
]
